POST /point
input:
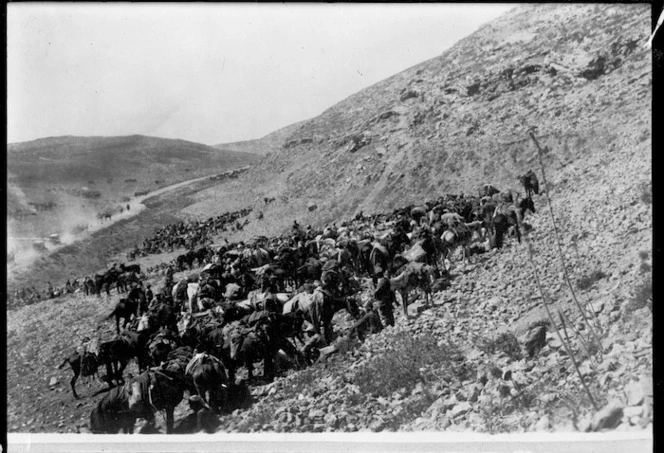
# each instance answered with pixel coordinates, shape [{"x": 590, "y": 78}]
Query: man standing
[{"x": 385, "y": 299}]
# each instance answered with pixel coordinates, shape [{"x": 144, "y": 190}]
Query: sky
[{"x": 209, "y": 73}]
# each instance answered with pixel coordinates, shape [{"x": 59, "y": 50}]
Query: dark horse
[
  {"x": 530, "y": 183},
  {"x": 115, "y": 354},
  {"x": 209, "y": 379},
  {"x": 81, "y": 364},
  {"x": 125, "y": 308},
  {"x": 112, "y": 413},
  {"x": 155, "y": 390},
  {"x": 511, "y": 217},
  {"x": 249, "y": 345}
]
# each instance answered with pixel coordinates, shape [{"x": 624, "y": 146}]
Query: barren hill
[
  {"x": 578, "y": 73},
  {"x": 59, "y": 184},
  {"x": 96, "y": 160},
  {"x": 265, "y": 145}
]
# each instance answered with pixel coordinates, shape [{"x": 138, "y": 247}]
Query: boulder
[
  {"x": 461, "y": 409},
  {"x": 635, "y": 393},
  {"x": 312, "y": 207},
  {"x": 607, "y": 418},
  {"x": 535, "y": 340}
]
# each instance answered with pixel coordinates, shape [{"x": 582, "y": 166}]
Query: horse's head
[{"x": 139, "y": 403}]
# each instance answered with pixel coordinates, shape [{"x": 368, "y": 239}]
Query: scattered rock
[
  {"x": 535, "y": 340},
  {"x": 461, "y": 409}
]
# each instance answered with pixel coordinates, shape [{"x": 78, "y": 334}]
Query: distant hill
[
  {"x": 262, "y": 146},
  {"x": 58, "y": 183},
  {"x": 78, "y": 160}
]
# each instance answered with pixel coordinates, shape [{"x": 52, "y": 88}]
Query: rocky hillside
[
  {"x": 578, "y": 73},
  {"x": 270, "y": 143},
  {"x": 469, "y": 363}
]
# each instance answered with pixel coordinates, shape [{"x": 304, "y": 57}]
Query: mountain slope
[
  {"x": 577, "y": 73},
  {"x": 262, "y": 146}
]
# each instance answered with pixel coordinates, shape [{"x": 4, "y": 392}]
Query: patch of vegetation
[
  {"x": 411, "y": 360},
  {"x": 586, "y": 282},
  {"x": 642, "y": 296},
  {"x": 506, "y": 343},
  {"x": 646, "y": 193}
]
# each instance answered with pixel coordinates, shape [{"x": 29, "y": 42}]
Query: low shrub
[
  {"x": 586, "y": 282},
  {"x": 410, "y": 361},
  {"x": 646, "y": 193},
  {"x": 505, "y": 342},
  {"x": 642, "y": 296}
]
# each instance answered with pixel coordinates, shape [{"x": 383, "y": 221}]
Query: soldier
[{"x": 384, "y": 299}]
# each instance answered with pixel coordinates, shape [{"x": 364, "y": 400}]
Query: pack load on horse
[{"x": 83, "y": 361}]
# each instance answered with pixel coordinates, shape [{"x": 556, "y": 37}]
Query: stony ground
[{"x": 459, "y": 365}]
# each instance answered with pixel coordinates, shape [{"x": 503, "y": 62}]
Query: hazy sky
[{"x": 209, "y": 73}]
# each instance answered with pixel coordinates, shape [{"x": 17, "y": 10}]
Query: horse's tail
[{"x": 64, "y": 362}]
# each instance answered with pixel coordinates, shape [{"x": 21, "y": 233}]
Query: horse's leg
[
  {"x": 109, "y": 373},
  {"x": 121, "y": 368},
  {"x": 77, "y": 371},
  {"x": 404, "y": 300}
]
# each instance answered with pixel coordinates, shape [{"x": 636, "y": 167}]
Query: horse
[
  {"x": 530, "y": 183},
  {"x": 135, "y": 268},
  {"x": 487, "y": 190},
  {"x": 112, "y": 413},
  {"x": 455, "y": 237},
  {"x": 209, "y": 379},
  {"x": 126, "y": 309},
  {"x": 116, "y": 354},
  {"x": 106, "y": 280},
  {"x": 82, "y": 364},
  {"x": 310, "y": 270},
  {"x": 413, "y": 275},
  {"x": 185, "y": 259},
  {"x": 156, "y": 390},
  {"x": 161, "y": 344},
  {"x": 163, "y": 315},
  {"x": 249, "y": 345},
  {"x": 506, "y": 216},
  {"x": 320, "y": 307}
]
